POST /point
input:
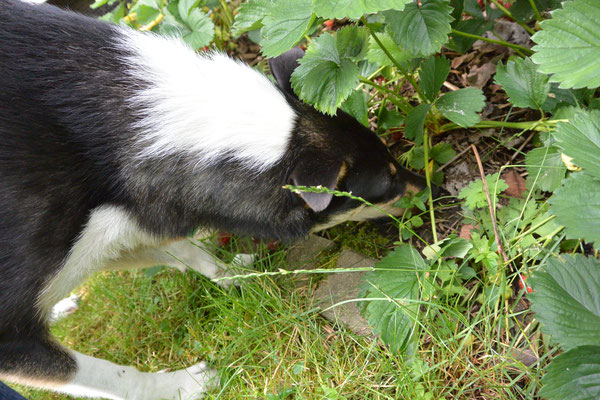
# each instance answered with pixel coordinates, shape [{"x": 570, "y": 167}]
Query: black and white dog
[{"x": 116, "y": 145}]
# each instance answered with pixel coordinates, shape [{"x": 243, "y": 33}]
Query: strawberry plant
[
  {"x": 403, "y": 42},
  {"x": 387, "y": 64},
  {"x": 198, "y": 22}
]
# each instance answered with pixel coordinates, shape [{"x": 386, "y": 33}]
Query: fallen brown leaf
[{"x": 515, "y": 182}]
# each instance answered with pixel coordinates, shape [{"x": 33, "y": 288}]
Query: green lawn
[{"x": 268, "y": 342}]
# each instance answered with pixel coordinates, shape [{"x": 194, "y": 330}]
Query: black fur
[{"x": 67, "y": 146}]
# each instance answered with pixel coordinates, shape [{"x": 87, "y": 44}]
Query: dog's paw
[
  {"x": 243, "y": 260},
  {"x": 64, "y": 307},
  {"x": 240, "y": 262},
  {"x": 186, "y": 384}
]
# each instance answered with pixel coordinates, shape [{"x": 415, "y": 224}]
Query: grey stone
[
  {"x": 304, "y": 255},
  {"x": 525, "y": 356},
  {"x": 338, "y": 287}
]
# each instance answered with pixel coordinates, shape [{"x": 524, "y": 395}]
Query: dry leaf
[
  {"x": 478, "y": 76},
  {"x": 465, "y": 231},
  {"x": 515, "y": 182}
]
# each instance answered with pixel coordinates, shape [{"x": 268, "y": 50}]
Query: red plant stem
[{"x": 489, "y": 200}]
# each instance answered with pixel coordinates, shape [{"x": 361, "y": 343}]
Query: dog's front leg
[
  {"x": 184, "y": 254},
  {"x": 100, "y": 378}
]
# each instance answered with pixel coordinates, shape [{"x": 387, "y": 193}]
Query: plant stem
[
  {"x": 399, "y": 101},
  {"x": 540, "y": 126},
  {"x": 149, "y": 26},
  {"x": 538, "y": 16},
  {"x": 491, "y": 207},
  {"x": 405, "y": 73},
  {"x": 428, "y": 180},
  {"x": 516, "y": 47},
  {"x": 509, "y": 14},
  {"x": 532, "y": 229}
]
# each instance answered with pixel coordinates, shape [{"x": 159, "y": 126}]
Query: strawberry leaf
[
  {"x": 576, "y": 205},
  {"x": 568, "y": 46},
  {"x": 421, "y": 29},
  {"x": 377, "y": 56},
  {"x": 573, "y": 375},
  {"x": 545, "y": 168},
  {"x": 395, "y": 280},
  {"x": 522, "y": 83},
  {"x": 285, "y": 25},
  {"x": 434, "y": 72},
  {"x": 327, "y": 75},
  {"x": 250, "y": 16},
  {"x": 566, "y": 299},
  {"x": 580, "y": 139},
  {"x": 462, "y": 106},
  {"x": 201, "y": 27},
  {"x": 356, "y": 105},
  {"x": 415, "y": 121},
  {"x": 354, "y": 9}
]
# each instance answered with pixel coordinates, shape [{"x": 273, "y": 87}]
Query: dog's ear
[
  {"x": 317, "y": 172},
  {"x": 282, "y": 67}
]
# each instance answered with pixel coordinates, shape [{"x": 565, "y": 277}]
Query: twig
[
  {"x": 522, "y": 51},
  {"x": 531, "y": 135},
  {"x": 456, "y": 157},
  {"x": 492, "y": 211},
  {"x": 450, "y": 86}
]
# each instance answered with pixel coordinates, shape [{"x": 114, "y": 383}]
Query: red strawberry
[
  {"x": 223, "y": 238},
  {"x": 328, "y": 24},
  {"x": 523, "y": 283}
]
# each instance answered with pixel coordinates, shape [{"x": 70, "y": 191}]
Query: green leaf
[
  {"x": 377, "y": 56},
  {"x": 474, "y": 26},
  {"x": 474, "y": 194},
  {"x": 416, "y": 157},
  {"x": 442, "y": 152},
  {"x": 566, "y": 299},
  {"x": 396, "y": 279},
  {"x": 146, "y": 11},
  {"x": 389, "y": 119},
  {"x": 546, "y": 162},
  {"x": 202, "y": 29},
  {"x": 98, "y": 4},
  {"x": 462, "y": 106},
  {"x": 352, "y": 42},
  {"x": 356, "y": 105},
  {"x": 323, "y": 78},
  {"x": 354, "y": 9},
  {"x": 524, "y": 86},
  {"x": 574, "y": 375},
  {"x": 568, "y": 46},
  {"x": 580, "y": 139},
  {"x": 285, "y": 25},
  {"x": 576, "y": 205},
  {"x": 185, "y": 6},
  {"x": 250, "y": 16},
  {"x": 415, "y": 120},
  {"x": 434, "y": 72},
  {"x": 451, "y": 246},
  {"x": 521, "y": 9},
  {"x": 421, "y": 30}
]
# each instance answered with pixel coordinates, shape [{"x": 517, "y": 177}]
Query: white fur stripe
[
  {"x": 109, "y": 232},
  {"x": 206, "y": 105}
]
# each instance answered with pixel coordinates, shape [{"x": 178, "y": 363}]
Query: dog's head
[{"x": 338, "y": 153}]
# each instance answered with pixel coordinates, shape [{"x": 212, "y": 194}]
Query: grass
[{"x": 269, "y": 343}]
